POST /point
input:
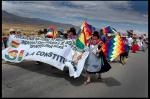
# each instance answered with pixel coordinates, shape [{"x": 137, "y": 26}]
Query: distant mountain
[{"x": 15, "y": 19}]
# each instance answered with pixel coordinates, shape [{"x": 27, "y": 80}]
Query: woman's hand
[
  {"x": 79, "y": 57},
  {"x": 99, "y": 50}
]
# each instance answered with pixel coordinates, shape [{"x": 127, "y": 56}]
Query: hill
[{"x": 10, "y": 20}]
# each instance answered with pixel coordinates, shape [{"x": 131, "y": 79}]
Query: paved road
[{"x": 29, "y": 80}]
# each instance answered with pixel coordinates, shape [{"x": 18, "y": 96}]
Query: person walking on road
[{"x": 96, "y": 62}]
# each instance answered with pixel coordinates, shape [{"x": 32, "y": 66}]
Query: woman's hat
[
  {"x": 123, "y": 35},
  {"x": 109, "y": 34},
  {"x": 95, "y": 34},
  {"x": 11, "y": 30}
]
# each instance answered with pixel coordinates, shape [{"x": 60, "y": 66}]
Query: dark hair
[
  {"x": 45, "y": 31},
  {"x": 65, "y": 36},
  {"x": 96, "y": 34},
  {"x": 140, "y": 38},
  {"x": 73, "y": 30},
  {"x": 61, "y": 33},
  {"x": 101, "y": 31},
  {"x": 12, "y": 32}
]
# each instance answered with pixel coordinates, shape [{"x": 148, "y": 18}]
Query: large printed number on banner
[{"x": 12, "y": 55}]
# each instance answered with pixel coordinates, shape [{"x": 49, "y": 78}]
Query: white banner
[{"x": 56, "y": 52}]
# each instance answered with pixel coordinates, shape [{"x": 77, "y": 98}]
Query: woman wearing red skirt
[{"x": 135, "y": 46}]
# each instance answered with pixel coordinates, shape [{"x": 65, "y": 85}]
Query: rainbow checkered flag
[
  {"x": 113, "y": 48},
  {"x": 51, "y": 33},
  {"x": 84, "y": 35},
  {"x": 109, "y": 29}
]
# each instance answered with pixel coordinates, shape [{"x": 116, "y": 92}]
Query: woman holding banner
[
  {"x": 5, "y": 40},
  {"x": 11, "y": 36},
  {"x": 2, "y": 44},
  {"x": 96, "y": 62},
  {"x": 72, "y": 33}
]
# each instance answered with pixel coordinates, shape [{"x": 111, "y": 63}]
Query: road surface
[{"x": 27, "y": 79}]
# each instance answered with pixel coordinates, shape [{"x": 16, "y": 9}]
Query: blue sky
[{"x": 122, "y": 15}]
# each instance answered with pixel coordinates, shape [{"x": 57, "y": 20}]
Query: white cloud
[{"x": 99, "y": 10}]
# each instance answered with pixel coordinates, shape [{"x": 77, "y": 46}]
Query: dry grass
[{"x": 25, "y": 28}]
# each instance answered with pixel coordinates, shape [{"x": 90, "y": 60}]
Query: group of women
[{"x": 96, "y": 63}]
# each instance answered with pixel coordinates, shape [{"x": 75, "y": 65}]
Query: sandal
[
  {"x": 87, "y": 82},
  {"x": 99, "y": 78}
]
